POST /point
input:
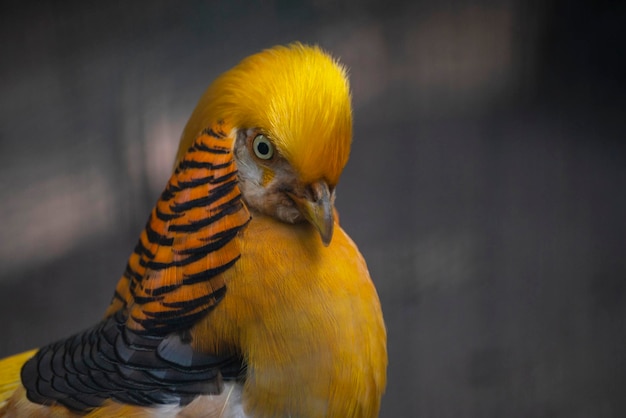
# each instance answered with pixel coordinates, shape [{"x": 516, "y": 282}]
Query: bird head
[{"x": 292, "y": 114}]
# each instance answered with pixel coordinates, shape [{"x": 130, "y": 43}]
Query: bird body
[
  {"x": 244, "y": 297},
  {"x": 328, "y": 330}
]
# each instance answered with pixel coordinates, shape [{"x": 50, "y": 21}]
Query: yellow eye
[{"x": 262, "y": 147}]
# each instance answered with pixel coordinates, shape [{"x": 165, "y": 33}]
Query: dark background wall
[{"x": 486, "y": 187}]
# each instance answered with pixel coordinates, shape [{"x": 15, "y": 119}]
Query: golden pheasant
[{"x": 243, "y": 296}]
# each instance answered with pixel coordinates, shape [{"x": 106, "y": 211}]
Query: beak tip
[
  {"x": 326, "y": 227},
  {"x": 327, "y": 238},
  {"x": 318, "y": 210}
]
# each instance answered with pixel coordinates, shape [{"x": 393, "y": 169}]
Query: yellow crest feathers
[{"x": 298, "y": 95}]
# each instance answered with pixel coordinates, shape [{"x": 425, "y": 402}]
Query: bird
[{"x": 243, "y": 297}]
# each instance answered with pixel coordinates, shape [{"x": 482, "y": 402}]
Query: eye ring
[{"x": 262, "y": 147}]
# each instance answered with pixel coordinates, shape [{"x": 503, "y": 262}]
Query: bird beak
[{"x": 317, "y": 208}]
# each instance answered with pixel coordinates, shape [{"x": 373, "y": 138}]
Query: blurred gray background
[{"x": 486, "y": 186}]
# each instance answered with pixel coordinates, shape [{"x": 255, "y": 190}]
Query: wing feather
[{"x": 141, "y": 352}]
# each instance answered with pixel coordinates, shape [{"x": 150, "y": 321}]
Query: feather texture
[{"x": 174, "y": 275}]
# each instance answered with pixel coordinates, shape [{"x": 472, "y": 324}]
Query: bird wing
[{"x": 141, "y": 352}]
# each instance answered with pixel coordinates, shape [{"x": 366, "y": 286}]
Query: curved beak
[{"x": 317, "y": 208}]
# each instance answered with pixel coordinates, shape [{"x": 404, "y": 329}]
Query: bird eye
[{"x": 262, "y": 147}]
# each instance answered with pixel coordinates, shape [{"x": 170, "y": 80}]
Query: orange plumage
[{"x": 243, "y": 297}]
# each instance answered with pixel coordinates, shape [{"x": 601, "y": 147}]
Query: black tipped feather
[{"x": 85, "y": 370}]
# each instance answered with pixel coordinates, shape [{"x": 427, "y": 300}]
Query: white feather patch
[{"x": 225, "y": 405}]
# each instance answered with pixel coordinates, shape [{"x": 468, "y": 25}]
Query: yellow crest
[{"x": 298, "y": 95}]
